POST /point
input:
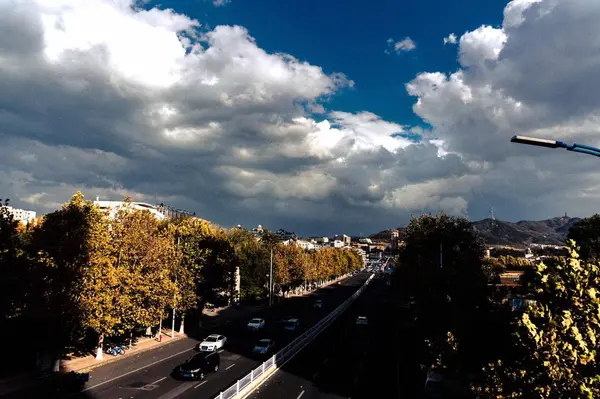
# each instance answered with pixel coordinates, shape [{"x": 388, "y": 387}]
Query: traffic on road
[{"x": 200, "y": 366}]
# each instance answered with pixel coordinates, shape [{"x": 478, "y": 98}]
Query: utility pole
[
  {"x": 271, "y": 280},
  {"x": 441, "y": 255}
]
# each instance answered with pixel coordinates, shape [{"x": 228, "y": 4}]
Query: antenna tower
[{"x": 491, "y": 213}]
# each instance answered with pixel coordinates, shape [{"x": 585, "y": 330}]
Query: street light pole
[
  {"x": 271, "y": 280},
  {"x": 581, "y": 148}
]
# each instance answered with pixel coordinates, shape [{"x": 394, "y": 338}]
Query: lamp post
[{"x": 581, "y": 148}]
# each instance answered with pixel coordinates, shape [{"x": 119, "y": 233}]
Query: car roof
[
  {"x": 256, "y": 319},
  {"x": 266, "y": 340},
  {"x": 362, "y": 317},
  {"x": 292, "y": 319},
  {"x": 214, "y": 336}
]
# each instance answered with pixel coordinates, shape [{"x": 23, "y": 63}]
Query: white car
[
  {"x": 256, "y": 324},
  {"x": 362, "y": 320},
  {"x": 212, "y": 343}
]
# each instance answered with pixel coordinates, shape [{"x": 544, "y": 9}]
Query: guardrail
[{"x": 266, "y": 368}]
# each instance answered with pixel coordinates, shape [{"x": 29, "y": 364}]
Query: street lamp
[{"x": 584, "y": 149}]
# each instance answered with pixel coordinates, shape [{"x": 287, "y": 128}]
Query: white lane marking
[
  {"x": 228, "y": 367},
  {"x": 299, "y": 396},
  {"x": 202, "y": 383},
  {"x": 220, "y": 351},
  {"x": 136, "y": 370},
  {"x": 157, "y": 381}
]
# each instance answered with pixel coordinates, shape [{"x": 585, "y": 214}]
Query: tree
[
  {"x": 556, "y": 340},
  {"x": 441, "y": 266},
  {"x": 586, "y": 233},
  {"x": 73, "y": 267},
  {"x": 13, "y": 268},
  {"x": 252, "y": 257}
]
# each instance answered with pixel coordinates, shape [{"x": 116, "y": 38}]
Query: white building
[
  {"x": 111, "y": 208},
  {"x": 21, "y": 215},
  {"x": 338, "y": 244},
  {"x": 307, "y": 245},
  {"x": 365, "y": 241}
]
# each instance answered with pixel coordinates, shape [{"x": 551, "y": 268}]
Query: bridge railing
[{"x": 267, "y": 368}]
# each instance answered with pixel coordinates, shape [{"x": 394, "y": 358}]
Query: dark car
[{"x": 199, "y": 365}]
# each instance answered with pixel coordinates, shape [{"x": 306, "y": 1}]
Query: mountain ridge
[{"x": 522, "y": 233}]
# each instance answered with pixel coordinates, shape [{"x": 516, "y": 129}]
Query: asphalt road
[
  {"x": 148, "y": 375},
  {"x": 353, "y": 361}
]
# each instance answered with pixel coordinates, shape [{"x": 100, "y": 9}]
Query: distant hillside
[{"x": 551, "y": 231}]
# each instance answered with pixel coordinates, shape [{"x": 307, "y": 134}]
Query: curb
[{"x": 118, "y": 358}]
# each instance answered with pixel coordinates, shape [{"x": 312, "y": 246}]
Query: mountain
[{"x": 551, "y": 231}]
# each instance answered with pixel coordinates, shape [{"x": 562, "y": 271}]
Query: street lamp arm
[{"x": 581, "y": 148}]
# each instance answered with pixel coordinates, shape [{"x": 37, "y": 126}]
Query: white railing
[{"x": 289, "y": 350}]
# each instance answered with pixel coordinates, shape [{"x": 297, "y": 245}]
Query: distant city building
[
  {"x": 111, "y": 208},
  {"x": 337, "y": 244},
  {"x": 22, "y": 215},
  {"x": 307, "y": 245},
  {"x": 365, "y": 241},
  {"x": 286, "y": 235}
]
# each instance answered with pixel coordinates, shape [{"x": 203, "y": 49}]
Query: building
[
  {"x": 365, "y": 241},
  {"x": 22, "y": 215},
  {"x": 395, "y": 240},
  {"x": 111, "y": 208}
]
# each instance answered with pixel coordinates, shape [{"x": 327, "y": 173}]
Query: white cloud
[
  {"x": 157, "y": 109},
  {"x": 404, "y": 45},
  {"x": 220, "y": 3},
  {"x": 451, "y": 38}
]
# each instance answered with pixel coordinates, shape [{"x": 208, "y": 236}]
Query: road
[
  {"x": 148, "y": 375},
  {"x": 353, "y": 361}
]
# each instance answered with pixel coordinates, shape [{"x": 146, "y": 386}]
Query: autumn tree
[
  {"x": 72, "y": 251},
  {"x": 252, "y": 257},
  {"x": 556, "y": 341}
]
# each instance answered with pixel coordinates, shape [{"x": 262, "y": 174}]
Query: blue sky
[{"x": 350, "y": 37}]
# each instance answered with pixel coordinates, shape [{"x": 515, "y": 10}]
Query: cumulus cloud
[
  {"x": 404, "y": 45},
  {"x": 451, "y": 38},
  {"x": 220, "y": 3},
  {"x": 532, "y": 76},
  {"x": 162, "y": 109}
]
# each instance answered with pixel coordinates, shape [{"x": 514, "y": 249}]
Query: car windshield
[
  {"x": 263, "y": 343},
  {"x": 211, "y": 339},
  {"x": 255, "y": 321},
  {"x": 290, "y": 323}
]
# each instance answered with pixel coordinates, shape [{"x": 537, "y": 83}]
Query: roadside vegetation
[
  {"x": 77, "y": 278},
  {"x": 538, "y": 339}
]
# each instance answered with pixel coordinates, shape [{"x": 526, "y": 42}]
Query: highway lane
[
  {"x": 348, "y": 360},
  {"x": 148, "y": 375}
]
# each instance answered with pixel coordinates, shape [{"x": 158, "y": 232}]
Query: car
[
  {"x": 291, "y": 324},
  {"x": 362, "y": 320},
  {"x": 264, "y": 346},
  {"x": 284, "y": 319},
  {"x": 256, "y": 324},
  {"x": 318, "y": 303},
  {"x": 434, "y": 385},
  {"x": 198, "y": 365},
  {"x": 212, "y": 343}
]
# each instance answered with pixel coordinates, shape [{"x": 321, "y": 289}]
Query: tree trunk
[
  {"x": 159, "y": 328},
  {"x": 181, "y": 325},
  {"x": 99, "y": 350},
  {"x": 56, "y": 365}
]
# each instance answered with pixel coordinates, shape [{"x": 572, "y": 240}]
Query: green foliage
[
  {"x": 13, "y": 270},
  {"x": 556, "y": 340},
  {"x": 586, "y": 233},
  {"x": 450, "y": 292}
]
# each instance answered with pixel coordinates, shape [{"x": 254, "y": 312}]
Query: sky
[{"x": 320, "y": 117}]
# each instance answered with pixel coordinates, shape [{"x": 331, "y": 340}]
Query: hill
[{"x": 551, "y": 231}]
